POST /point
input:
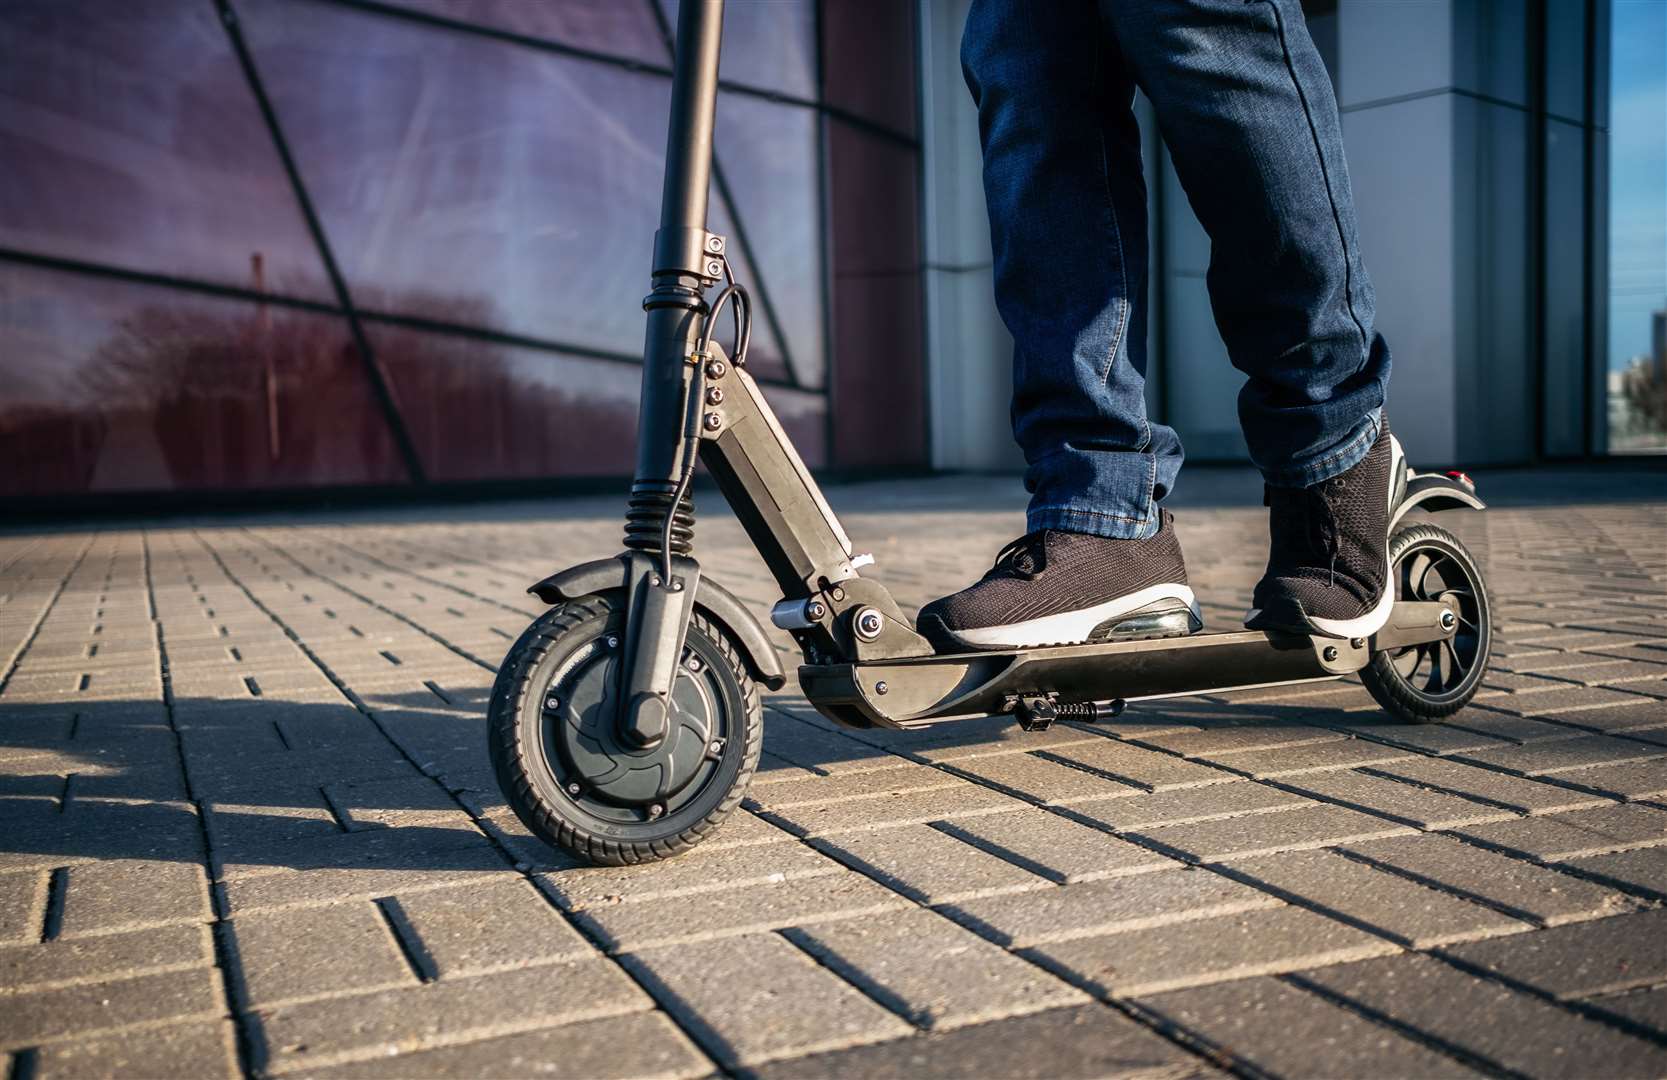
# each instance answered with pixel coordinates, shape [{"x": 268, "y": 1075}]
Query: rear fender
[
  {"x": 721, "y": 605},
  {"x": 1435, "y": 492}
]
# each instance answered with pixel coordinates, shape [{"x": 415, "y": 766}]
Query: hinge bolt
[
  {"x": 714, "y": 421},
  {"x": 714, "y": 395},
  {"x": 1357, "y": 643},
  {"x": 715, "y": 369},
  {"x": 881, "y": 687},
  {"x": 1330, "y": 653}
]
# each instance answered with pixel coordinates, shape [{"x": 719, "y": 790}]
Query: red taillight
[{"x": 1462, "y": 478}]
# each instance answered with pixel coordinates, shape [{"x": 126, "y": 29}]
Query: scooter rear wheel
[
  {"x": 567, "y": 773},
  {"x": 1421, "y": 684}
]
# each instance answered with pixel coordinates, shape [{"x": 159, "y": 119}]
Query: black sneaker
[
  {"x": 1328, "y": 564},
  {"x": 1060, "y": 588}
]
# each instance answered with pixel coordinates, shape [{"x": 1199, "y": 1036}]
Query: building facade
[
  {"x": 271, "y": 244},
  {"x": 250, "y": 245}
]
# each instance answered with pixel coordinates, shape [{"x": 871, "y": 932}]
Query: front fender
[
  {"x": 1436, "y": 491},
  {"x": 719, "y": 603}
]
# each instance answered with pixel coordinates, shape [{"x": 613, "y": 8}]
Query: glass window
[
  {"x": 625, "y": 28},
  {"x": 1637, "y": 362},
  {"x": 130, "y": 137},
  {"x": 465, "y": 179},
  {"x": 769, "y": 157},
  {"x": 113, "y": 386},
  {"x": 770, "y": 44}
]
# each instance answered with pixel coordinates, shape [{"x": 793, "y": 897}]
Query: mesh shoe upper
[
  {"x": 1049, "y": 572},
  {"x": 1328, "y": 552}
]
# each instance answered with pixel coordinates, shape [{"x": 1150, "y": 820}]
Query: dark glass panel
[
  {"x": 769, "y": 44},
  {"x": 874, "y": 202},
  {"x": 113, "y": 386},
  {"x": 624, "y": 28},
  {"x": 868, "y": 60},
  {"x": 129, "y": 136},
  {"x": 768, "y": 154},
  {"x": 480, "y": 410},
  {"x": 764, "y": 352},
  {"x": 460, "y": 174},
  {"x": 878, "y": 365}
]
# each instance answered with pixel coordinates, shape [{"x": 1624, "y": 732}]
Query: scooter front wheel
[
  {"x": 1421, "y": 684},
  {"x": 572, "y": 779}
]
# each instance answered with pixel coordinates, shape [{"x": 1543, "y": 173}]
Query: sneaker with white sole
[
  {"x": 1328, "y": 565},
  {"x": 1052, "y": 587}
]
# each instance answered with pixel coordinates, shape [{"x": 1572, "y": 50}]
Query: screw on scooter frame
[{"x": 864, "y": 663}]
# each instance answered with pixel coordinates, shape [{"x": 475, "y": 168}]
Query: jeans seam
[
  {"x": 1325, "y": 175},
  {"x": 1088, "y": 513},
  {"x": 1117, "y": 237}
]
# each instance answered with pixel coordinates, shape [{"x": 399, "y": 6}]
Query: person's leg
[
  {"x": 1067, "y": 206},
  {"x": 1251, "y": 123}
]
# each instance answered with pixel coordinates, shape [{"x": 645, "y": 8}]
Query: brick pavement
[{"x": 250, "y": 827}]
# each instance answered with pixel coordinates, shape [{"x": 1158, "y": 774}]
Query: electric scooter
[{"x": 625, "y": 723}]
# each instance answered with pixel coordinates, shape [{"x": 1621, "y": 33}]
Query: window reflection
[
  {"x": 1637, "y": 370},
  {"x": 128, "y": 136},
  {"x": 121, "y": 387}
]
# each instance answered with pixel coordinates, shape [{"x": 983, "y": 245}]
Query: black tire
[
  {"x": 1421, "y": 684},
  {"x": 540, "y": 752}
]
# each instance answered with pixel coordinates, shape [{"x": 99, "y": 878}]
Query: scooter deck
[{"x": 916, "y": 691}]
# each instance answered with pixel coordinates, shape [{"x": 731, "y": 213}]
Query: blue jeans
[{"x": 1247, "y": 111}]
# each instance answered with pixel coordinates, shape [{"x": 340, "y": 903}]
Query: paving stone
[
  {"x": 1055, "y": 847},
  {"x": 701, "y": 870},
  {"x": 1086, "y": 908},
  {"x": 1595, "y": 831},
  {"x": 1042, "y": 780},
  {"x": 1527, "y": 796},
  {"x": 1188, "y": 806},
  {"x": 1519, "y": 887},
  {"x": 1309, "y": 758},
  {"x": 815, "y": 748},
  {"x": 757, "y": 997},
  {"x": 32, "y": 1018},
  {"x": 817, "y": 790},
  {"x": 1146, "y": 769},
  {"x": 1647, "y": 1008},
  {"x": 1485, "y": 718},
  {"x": 930, "y": 971},
  {"x": 120, "y": 893},
  {"x": 313, "y": 1034},
  {"x": 1642, "y": 869},
  {"x": 316, "y": 952},
  {"x": 644, "y": 1044},
  {"x": 1559, "y": 703},
  {"x": 330, "y": 886},
  {"x": 1438, "y": 739},
  {"x": 926, "y": 864},
  {"x": 1513, "y": 1030},
  {"x": 1580, "y": 960},
  {"x": 1220, "y": 742},
  {"x": 985, "y": 737},
  {"x": 104, "y": 956},
  {"x": 519, "y": 928},
  {"x": 1401, "y": 910},
  {"x": 909, "y": 808},
  {"x": 1285, "y": 1031},
  {"x": 1410, "y": 803},
  {"x": 1547, "y": 758},
  {"x": 697, "y": 917},
  {"x": 1224, "y": 947},
  {"x": 1258, "y": 834},
  {"x": 22, "y": 905},
  {"x": 1628, "y": 780},
  {"x": 1059, "y": 1044},
  {"x": 202, "y": 1049},
  {"x": 383, "y": 803}
]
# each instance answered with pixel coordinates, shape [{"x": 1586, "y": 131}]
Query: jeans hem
[
  {"x": 1336, "y": 463},
  {"x": 1094, "y": 522}
]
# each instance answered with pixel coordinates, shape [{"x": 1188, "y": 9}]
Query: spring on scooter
[
  {"x": 645, "y": 519},
  {"x": 1090, "y": 711}
]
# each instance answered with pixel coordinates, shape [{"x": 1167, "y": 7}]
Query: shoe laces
[
  {"x": 1314, "y": 505},
  {"x": 1024, "y": 557}
]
